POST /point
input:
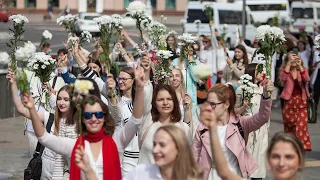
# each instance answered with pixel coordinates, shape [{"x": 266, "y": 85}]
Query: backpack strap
[
  {"x": 144, "y": 135},
  {"x": 240, "y": 129},
  {"x": 40, "y": 148},
  {"x": 54, "y": 82}
]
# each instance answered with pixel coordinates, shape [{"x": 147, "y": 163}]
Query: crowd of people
[{"x": 134, "y": 128}]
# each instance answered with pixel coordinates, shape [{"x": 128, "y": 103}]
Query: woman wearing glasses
[
  {"x": 100, "y": 139},
  {"x": 233, "y": 131}
]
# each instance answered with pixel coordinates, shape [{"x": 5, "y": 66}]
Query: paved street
[{"x": 14, "y": 154}]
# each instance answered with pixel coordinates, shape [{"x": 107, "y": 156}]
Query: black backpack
[{"x": 34, "y": 169}]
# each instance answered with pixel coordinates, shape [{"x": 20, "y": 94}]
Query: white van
[
  {"x": 224, "y": 13},
  {"x": 304, "y": 13},
  {"x": 264, "y": 10}
]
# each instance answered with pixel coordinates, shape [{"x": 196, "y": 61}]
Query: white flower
[
  {"x": 106, "y": 20},
  {"x": 136, "y": 8},
  {"x": 172, "y": 32},
  {"x": 71, "y": 40},
  {"x": 26, "y": 52},
  {"x": 198, "y": 21},
  {"x": 83, "y": 86},
  {"x": 117, "y": 20},
  {"x": 86, "y": 35},
  {"x": 183, "y": 21},
  {"x": 19, "y": 54},
  {"x": 164, "y": 54},
  {"x": 277, "y": 33},
  {"x": 67, "y": 19},
  {"x": 187, "y": 38},
  {"x": 46, "y": 34},
  {"x": 18, "y": 19},
  {"x": 43, "y": 66},
  {"x": 262, "y": 31},
  {"x": 202, "y": 71},
  {"x": 4, "y": 58},
  {"x": 144, "y": 24},
  {"x": 317, "y": 41}
]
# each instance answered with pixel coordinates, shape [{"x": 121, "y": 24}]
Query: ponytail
[{"x": 225, "y": 93}]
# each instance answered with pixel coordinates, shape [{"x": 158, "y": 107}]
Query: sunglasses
[
  {"x": 213, "y": 104},
  {"x": 88, "y": 115}
]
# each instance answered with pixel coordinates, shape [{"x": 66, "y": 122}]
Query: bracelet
[
  {"x": 265, "y": 98},
  {"x": 124, "y": 54}
]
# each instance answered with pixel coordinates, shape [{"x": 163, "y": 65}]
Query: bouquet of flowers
[
  {"x": 109, "y": 25},
  {"x": 43, "y": 65},
  {"x": 137, "y": 10},
  {"x": 186, "y": 41},
  {"x": 202, "y": 71},
  {"x": 162, "y": 69},
  {"x": 208, "y": 10},
  {"x": 317, "y": 41},
  {"x": 18, "y": 24},
  {"x": 157, "y": 34},
  {"x": 248, "y": 88},
  {"x": 4, "y": 58},
  {"x": 68, "y": 22},
  {"x": 85, "y": 37},
  {"x": 224, "y": 31},
  {"x": 46, "y": 35},
  {"x": 270, "y": 39}
]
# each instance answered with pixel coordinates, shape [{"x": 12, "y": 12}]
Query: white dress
[{"x": 230, "y": 157}]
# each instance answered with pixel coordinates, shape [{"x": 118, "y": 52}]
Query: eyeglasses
[
  {"x": 123, "y": 79},
  {"x": 88, "y": 115},
  {"x": 213, "y": 104},
  {"x": 205, "y": 41}
]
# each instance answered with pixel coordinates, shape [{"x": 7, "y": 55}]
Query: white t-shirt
[{"x": 144, "y": 172}]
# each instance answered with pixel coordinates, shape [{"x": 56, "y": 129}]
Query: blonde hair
[
  {"x": 185, "y": 166},
  {"x": 182, "y": 87}
]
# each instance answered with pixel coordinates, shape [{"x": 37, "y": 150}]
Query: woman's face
[
  {"x": 190, "y": 50},
  {"x": 164, "y": 149},
  {"x": 219, "y": 109},
  {"x": 63, "y": 101},
  {"x": 146, "y": 63},
  {"x": 99, "y": 49},
  {"x": 93, "y": 124},
  {"x": 238, "y": 54},
  {"x": 196, "y": 48},
  {"x": 95, "y": 67},
  {"x": 283, "y": 161},
  {"x": 301, "y": 46},
  {"x": 258, "y": 75},
  {"x": 125, "y": 81},
  {"x": 164, "y": 102},
  {"x": 175, "y": 79},
  {"x": 170, "y": 41}
]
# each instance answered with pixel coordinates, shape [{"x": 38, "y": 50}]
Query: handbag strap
[
  {"x": 144, "y": 135},
  {"x": 54, "y": 82},
  {"x": 40, "y": 148}
]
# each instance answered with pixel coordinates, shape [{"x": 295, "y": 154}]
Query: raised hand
[
  {"x": 207, "y": 115},
  {"x": 82, "y": 160},
  {"x": 268, "y": 88},
  {"x": 186, "y": 101},
  {"x": 27, "y": 101},
  {"x": 75, "y": 49},
  {"x": 111, "y": 83},
  {"x": 11, "y": 76},
  {"x": 139, "y": 76}
]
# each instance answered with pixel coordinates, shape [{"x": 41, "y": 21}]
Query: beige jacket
[{"x": 232, "y": 73}]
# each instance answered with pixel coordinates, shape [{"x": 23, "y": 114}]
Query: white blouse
[{"x": 144, "y": 172}]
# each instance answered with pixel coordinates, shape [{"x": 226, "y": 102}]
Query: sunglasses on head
[{"x": 88, "y": 115}]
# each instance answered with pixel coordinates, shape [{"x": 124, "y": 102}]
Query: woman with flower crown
[
  {"x": 100, "y": 139},
  {"x": 258, "y": 140}
]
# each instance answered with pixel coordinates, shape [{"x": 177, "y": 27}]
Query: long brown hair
[
  {"x": 108, "y": 125},
  {"x": 175, "y": 44},
  {"x": 185, "y": 166},
  {"x": 291, "y": 139},
  {"x": 130, "y": 71},
  {"x": 225, "y": 93},
  {"x": 176, "y": 113},
  {"x": 245, "y": 55},
  {"x": 57, "y": 115},
  {"x": 251, "y": 70}
]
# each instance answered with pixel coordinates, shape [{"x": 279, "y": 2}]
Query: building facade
[{"x": 165, "y": 7}]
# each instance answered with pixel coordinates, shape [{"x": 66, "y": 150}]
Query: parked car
[
  {"x": 224, "y": 15},
  {"x": 86, "y": 23},
  {"x": 4, "y": 17}
]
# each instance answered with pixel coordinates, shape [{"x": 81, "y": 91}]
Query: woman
[
  {"x": 165, "y": 110},
  {"x": 235, "y": 68},
  {"x": 285, "y": 154},
  {"x": 121, "y": 108},
  {"x": 97, "y": 128},
  {"x": 186, "y": 67},
  {"x": 233, "y": 131},
  {"x": 258, "y": 140},
  {"x": 305, "y": 53},
  {"x": 294, "y": 78},
  {"x": 63, "y": 109},
  {"x": 176, "y": 82},
  {"x": 172, "y": 45},
  {"x": 176, "y": 161}
]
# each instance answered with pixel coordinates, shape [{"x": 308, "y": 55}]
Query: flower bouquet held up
[
  {"x": 69, "y": 23},
  {"x": 270, "y": 39},
  {"x": 247, "y": 88},
  {"x": 137, "y": 10},
  {"x": 42, "y": 65},
  {"x": 80, "y": 89},
  {"x": 109, "y": 26},
  {"x": 157, "y": 34},
  {"x": 18, "y": 24},
  {"x": 46, "y": 35},
  {"x": 85, "y": 37},
  {"x": 162, "y": 69}
]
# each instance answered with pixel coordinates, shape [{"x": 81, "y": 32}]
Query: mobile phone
[{"x": 227, "y": 54}]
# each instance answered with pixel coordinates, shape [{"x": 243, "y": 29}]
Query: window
[
  {"x": 318, "y": 12},
  {"x": 153, "y": 3},
  {"x": 306, "y": 13},
  {"x": 55, "y": 3},
  {"x": 127, "y": 2},
  {"x": 230, "y": 17},
  {"x": 89, "y": 17},
  {"x": 30, "y": 3},
  {"x": 268, "y": 7},
  {"x": 170, "y": 4},
  {"x": 10, "y": 3},
  {"x": 194, "y": 14}
]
